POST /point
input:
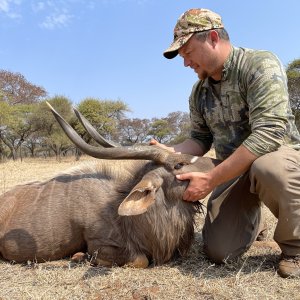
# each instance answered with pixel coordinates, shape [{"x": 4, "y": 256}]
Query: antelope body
[{"x": 124, "y": 209}]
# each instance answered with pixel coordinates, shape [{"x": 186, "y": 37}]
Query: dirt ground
[{"x": 252, "y": 276}]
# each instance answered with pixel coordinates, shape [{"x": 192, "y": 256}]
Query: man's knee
[
  {"x": 219, "y": 248},
  {"x": 220, "y": 254},
  {"x": 215, "y": 255},
  {"x": 270, "y": 169}
]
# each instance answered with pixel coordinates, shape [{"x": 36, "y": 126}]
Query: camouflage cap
[{"x": 193, "y": 20}]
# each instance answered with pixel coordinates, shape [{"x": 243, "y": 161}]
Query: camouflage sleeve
[
  {"x": 267, "y": 98},
  {"x": 200, "y": 132}
]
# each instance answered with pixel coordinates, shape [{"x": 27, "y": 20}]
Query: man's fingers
[
  {"x": 185, "y": 176},
  {"x": 154, "y": 142},
  {"x": 186, "y": 196},
  {"x": 190, "y": 196}
]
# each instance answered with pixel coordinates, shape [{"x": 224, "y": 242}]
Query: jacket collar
[{"x": 229, "y": 62}]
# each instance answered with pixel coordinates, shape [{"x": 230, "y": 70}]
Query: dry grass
[{"x": 253, "y": 276}]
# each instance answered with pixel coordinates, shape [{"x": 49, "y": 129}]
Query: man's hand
[
  {"x": 156, "y": 143},
  {"x": 201, "y": 184},
  {"x": 199, "y": 187}
]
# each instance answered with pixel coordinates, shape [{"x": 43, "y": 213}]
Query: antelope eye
[{"x": 178, "y": 166}]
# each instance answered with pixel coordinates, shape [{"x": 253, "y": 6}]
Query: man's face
[{"x": 200, "y": 56}]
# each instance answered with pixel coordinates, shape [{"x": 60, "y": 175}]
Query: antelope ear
[{"x": 140, "y": 198}]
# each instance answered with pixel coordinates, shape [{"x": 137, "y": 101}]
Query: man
[{"x": 240, "y": 105}]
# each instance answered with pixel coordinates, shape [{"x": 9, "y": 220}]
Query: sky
[{"x": 112, "y": 49}]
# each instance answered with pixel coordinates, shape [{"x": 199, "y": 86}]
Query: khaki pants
[{"x": 234, "y": 210}]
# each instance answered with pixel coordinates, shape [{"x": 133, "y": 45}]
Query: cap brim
[
  {"x": 170, "y": 54},
  {"x": 172, "y": 51}
]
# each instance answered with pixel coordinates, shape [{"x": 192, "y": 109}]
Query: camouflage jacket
[{"x": 249, "y": 106}]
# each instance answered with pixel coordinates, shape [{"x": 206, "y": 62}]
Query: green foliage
[
  {"x": 104, "y": 115},
  {"x": 160, "y": 130},
  {"x": 44, "y": 118},
  {"x": 293, "y": 69},
  {"x": 172, "y": 129},
  {"x": 50, "y": 131},
  {"x": 20, "y": 117},
  {"x": 133, "y": 131},
  {"x": 17, "y": 125},
  {"x": 5, "y": 113},
  {"x": 293, "y": 74}
]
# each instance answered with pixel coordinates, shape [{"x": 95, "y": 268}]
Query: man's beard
[{"x": 202, "y": 75}]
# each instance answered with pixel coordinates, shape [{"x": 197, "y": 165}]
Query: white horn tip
[
  {"x": 195, "y": 158},
  {"x": 50, "y": 106}
]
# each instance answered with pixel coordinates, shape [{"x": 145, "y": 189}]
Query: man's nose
[{"x": 187, "y": 62}]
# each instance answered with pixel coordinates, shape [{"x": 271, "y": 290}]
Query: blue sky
[{"x": 112, "y": 49}]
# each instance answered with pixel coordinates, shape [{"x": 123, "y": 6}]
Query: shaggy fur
[{"x": 77, "y": 211}]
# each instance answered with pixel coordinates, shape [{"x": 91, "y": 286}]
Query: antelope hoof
[
  {"x": 79, "y": 257},
  {"x": 101, "y": 263},
  {"x": 141, "y": 261}
]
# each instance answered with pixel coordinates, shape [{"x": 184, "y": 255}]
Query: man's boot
[{"x": 289, "y": 266}]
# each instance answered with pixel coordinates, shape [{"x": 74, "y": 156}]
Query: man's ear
[
  {"x": 141, "y": 197},
  {"x": 214, "y": 37}
]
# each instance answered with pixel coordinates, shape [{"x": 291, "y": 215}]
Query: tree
[
  {"x": 33, "y": 143},
  {"x": 179, "y": 123},
  {"x": 50, "y": 132},
  {"x": 133, "y": 131},
  {"x": 104, "y": 115},
  {"x": 17, "y": 99},
  {"x": 4, "y": 116},
  {"x": 160, "y": 130},
  {"x": 17, "y": 126},
  {"x": 15, "y": 89},
  {"x": 172, "y": 129},
  {"x": 293, "y": 74}
]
